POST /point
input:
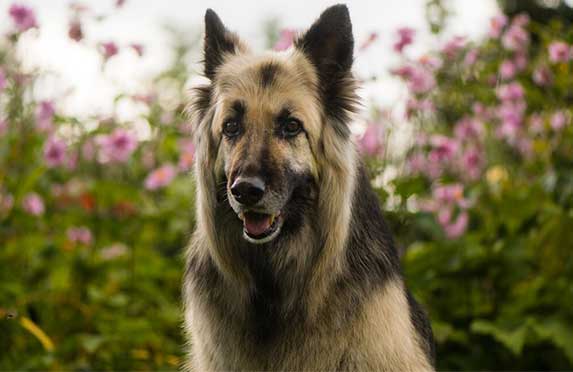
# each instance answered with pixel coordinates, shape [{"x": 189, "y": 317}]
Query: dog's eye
[
  {"x": 231, "y": 128},
  {"x": 292, "y": 127}
]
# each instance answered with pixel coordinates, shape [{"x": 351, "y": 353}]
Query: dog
[{"x": 291, "y": 265}]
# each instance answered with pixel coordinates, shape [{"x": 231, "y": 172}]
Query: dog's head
[{"x": 274, "y": 117}]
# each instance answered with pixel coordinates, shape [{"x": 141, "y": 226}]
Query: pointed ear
[
  {"x": 218, "y": 42},
  {"x": 329, "y": 46},
  {"x": 329, "y": 43}
]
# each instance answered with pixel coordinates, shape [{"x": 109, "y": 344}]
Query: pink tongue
[{"x": 257, "y": 226}]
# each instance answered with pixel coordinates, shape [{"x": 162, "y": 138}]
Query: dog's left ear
[
  {"x": 329, "y": 46},
  {"x": 218, "y": 42}
]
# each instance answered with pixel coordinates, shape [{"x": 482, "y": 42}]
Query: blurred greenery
[{"x": 91, "y": 281}]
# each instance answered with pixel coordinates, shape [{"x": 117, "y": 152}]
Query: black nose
[{"x": 248, "y": 190}]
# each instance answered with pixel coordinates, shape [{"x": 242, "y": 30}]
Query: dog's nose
[{"x": 248, "y": 190}]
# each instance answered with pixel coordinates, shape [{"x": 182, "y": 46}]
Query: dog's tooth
[{"x": 242, "y": 216}]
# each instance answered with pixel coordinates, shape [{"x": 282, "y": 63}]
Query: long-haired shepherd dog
[{"x": 291, "y": 266}]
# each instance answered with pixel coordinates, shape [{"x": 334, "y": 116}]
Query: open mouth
[{"x": 259, "y": 228}]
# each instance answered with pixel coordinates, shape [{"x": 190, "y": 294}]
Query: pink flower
[
  {"x": 45, "y": 116},
  {"x": 520, "y": 20},
  {"x": 286, "y": 39},
  {"x": 510, "y": 92},
  {"x": 405, "y": 72},
  {"x": 496, "y": 25},
  {"x": 468, "y": 129},
  {"x": 444, "y": 149},
  {"x": 430, "y": 62},
  {"x": 160, "y": 177},
  {"x": 421, "y": 80},
  {"x": 371, "y": 142},
  {"x": 405, "y": 38},
  {"x": 458, "y": 227},
  {"x": 55, "y": 152},
  {"x": 81, "y": 235},
  {"x": 449, "y": 194},
  {"x": 33, "y": 204},
  {"x": 75, "y": 30},
  {"x": 119, "y": 3},
  {"x": 520, "y": 61},
  {"x": 422, "y": 106},
  {"x": 559, "y": 52},
  {"x": 516, "y": 38},
  {"x": 507, "y": 70},
  {"x": 138, "y": 49},
  {"x": 368, "y": 42},
  {"x": 558, "y": 120},
  {"x": 453, "y": 46},
  {"x": 117, "y": 146},
  {"x": 471, "y": 57},
  {"x": 3, "y": 81},
  {"x": 187, "y": 149},
  {"x": 511, "y": 116},
  {"x": 542, "y": 76},
  {"x": 23, "y": 17},
  {"x": 472, "y": 163},
  {"x": 88, "y": 150},
  {"x": 109, "y": 49}
]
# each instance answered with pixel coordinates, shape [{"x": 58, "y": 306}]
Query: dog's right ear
[{"x": 218, "y": 42}]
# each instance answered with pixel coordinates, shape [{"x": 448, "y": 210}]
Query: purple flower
[
  {"x": 286, "y": 38},
  {"x": 559, "y": 52},
  {"x": 371, "y": 142},
  {"x": 558, "y": 120},
  {"x": 516, "y": 38},
  {"x": 405, "y": 38},
  {"x": 160, "y": 177},
  {"x": 81, "y": 235},
  {"x": 507, "y": 70},
  {"x": 23, "y": 17},
  {"x": 33, "y": 204},
  {"x": 496, "y": 25},
  {"x": 449, "y": 194},
  {"x": 542, "y": 76},
  {"x": 117, "y": 146},
  {"x": 54, "y": 152},
  {"x": 44, "y": 116},
  {"x": 109, "y": 49}
]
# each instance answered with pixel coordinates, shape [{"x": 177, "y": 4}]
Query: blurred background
[{"x": 467, "y": 130}]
